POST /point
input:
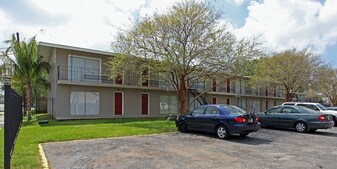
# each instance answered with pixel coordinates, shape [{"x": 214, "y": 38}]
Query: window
[
  {"x": 84, "y": 103},
  {"x": 198, "y": 111},
  {"x": 289, "y": 110},
  {"x": 212, "y": 110},
  {"x": 274, "y": 110},
  {"x": 168, "y": 104},
  {"x": 313, "y": 107},
  {"x": 84, "y": 69}
]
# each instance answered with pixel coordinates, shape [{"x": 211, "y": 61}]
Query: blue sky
[{"x": 281, "y": 24}]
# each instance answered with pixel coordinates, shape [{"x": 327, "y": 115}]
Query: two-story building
[{"x": 81, "y": 88}]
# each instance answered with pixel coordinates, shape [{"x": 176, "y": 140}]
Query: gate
[{"x": 13, "y": 121}]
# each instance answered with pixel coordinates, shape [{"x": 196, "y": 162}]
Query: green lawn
[{"x": 31, "y": 134}]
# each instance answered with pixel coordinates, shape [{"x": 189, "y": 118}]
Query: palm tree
[{"x": 28, "y": 69}]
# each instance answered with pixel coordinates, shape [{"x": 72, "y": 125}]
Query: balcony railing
[
  {"x": 81, "y": 74},
  {"x": 88, "y": 75}
]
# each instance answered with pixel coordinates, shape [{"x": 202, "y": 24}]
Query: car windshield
[
  {"x": 321, "y": 107},
  {"x": 233, "y": 109}
]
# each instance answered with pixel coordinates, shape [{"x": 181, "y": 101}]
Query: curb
[{"x": 44, "y": 160}]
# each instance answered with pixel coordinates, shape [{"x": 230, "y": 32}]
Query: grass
[{"x": 26, "y": 153}]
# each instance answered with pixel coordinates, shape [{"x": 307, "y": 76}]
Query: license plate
[{"x": 250, "y": 120}]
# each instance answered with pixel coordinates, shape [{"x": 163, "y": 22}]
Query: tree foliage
[
  {"x": 28, "y": 70},
  {"x": 292, "y": 69},
  {"x": 185, "y": 45},
  {"x": 325, "y": 82}
]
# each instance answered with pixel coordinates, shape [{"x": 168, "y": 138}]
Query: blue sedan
[{"x": 224, "y": 120}]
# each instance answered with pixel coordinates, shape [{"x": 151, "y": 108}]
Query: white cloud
[
  {"x": 285, "y": 24},
  {"x": 89, "y": 23}
]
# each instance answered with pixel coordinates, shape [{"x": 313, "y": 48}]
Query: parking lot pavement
[{"x": 268, "y": 148}]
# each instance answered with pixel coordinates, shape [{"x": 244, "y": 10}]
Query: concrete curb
[{"x": 44, "y": 160}]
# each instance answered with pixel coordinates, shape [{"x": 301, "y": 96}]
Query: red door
[
  {"x": 118, "y": 103},
  {"x": 145, "y": 103},
  {"x": 228, "y": 101},
  {"x": 214, "y": 100}
]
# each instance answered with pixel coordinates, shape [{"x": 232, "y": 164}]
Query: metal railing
[
  {"x": 13, "y": 121},
  {"x": 81, "y": 74}
]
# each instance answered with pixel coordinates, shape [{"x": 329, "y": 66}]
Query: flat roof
[{"x": 53, "y": 45}]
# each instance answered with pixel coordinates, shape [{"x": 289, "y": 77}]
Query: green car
[{"x": 295, "y": 117}]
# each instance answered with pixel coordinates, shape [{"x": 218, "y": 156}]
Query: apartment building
[{"x": 81, "y": 88}]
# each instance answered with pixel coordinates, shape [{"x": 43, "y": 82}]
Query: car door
[
  {"x": 288, "y": 116},
  {"x": 270, "y": 117},
  {"x": 210, "y": 119},
  {"x": 193, "y": 120}
]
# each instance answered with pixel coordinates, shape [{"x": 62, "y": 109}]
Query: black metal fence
[{"x": 13, "y": 121}]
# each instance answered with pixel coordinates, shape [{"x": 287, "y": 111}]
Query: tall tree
[
  {"x": 28, "y": 69},
  {"x": 292, "y": 69},
  {"x": 325, "y": 82},
  {"x": 185, "y": 45}
]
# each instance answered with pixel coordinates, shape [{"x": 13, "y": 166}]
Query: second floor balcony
[
  {"x": 88, "y": 75},
  {"x": 80, "y": 75}
]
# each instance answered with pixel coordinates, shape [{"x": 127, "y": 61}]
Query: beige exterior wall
[{"x": 59, "y": 94}]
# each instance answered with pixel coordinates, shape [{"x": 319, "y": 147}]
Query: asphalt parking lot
[{"x": 268, "y": 148}]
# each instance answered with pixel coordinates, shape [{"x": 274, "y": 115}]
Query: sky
[{"x": 279, "y": 24}]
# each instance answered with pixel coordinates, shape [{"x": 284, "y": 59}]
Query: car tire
[
  {"x": 301, "y": 127},
  {"x": 334, "y": 119},
  {"x": 222, "y": 132},
  {"x": 182, "y": 127},
  {"x": 244, "y": 134}
]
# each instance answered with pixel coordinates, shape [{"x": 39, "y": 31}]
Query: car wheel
[
  {"x": 222, "y": 132},
  {"x": 182, "y": 127},
  {"x": 244, "y": 134},
  {"x": 335, "y": 121},
  {"x": 301, "y": 127}
]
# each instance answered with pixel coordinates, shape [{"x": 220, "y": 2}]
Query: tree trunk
[
  {"x": 288, "y": 97},
  {"x": 182, "y": 94},
  {"x": 28, "y": 98}
]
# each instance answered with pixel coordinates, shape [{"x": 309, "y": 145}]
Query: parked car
[
  {"x": 300, "y": 118},
  {"x": 331, "y": 108},
  {"x": 316, "y": 107},
  {"x": 224, "y": 120}
]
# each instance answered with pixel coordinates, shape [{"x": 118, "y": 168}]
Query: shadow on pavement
[{"x": 250, "y": 140}]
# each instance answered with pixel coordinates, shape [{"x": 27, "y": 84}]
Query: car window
[
  {"x": 274, "y": 110},
  {"x": 212, "y": 110},
  {"x": 289, "y": 110},
  {"x": 233, "y": 109},
  {"x": 321, "y": 107},
  {"x": 197, "y": 111},
  {"x": 313, "y": 107}
]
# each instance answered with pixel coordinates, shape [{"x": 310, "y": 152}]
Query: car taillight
[
  {"x": 240, "y": 119},
  {"x": 321, "y": 118},
  {"x": 257, "y": 119}
]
